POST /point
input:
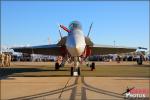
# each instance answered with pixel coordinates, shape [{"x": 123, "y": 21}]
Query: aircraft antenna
[
  {"x": 49, "y": 40},
  {"x": 90, "y": 29},
  {"x": 59, "y": 31},
  {"x": 114, "y": 43}
]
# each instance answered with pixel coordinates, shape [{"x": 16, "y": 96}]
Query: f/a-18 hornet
[{"x": 75, "y": 47}]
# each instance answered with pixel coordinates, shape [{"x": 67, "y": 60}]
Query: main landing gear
[{"x": 57, "y": 66}]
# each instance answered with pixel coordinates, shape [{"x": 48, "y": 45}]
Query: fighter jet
[{"x": 75, "y": 47}]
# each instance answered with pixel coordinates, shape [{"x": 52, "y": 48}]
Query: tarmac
[{"x": 70, "y": 88}]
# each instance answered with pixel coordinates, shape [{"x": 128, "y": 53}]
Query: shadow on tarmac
[{"x": 4, "y": 72}]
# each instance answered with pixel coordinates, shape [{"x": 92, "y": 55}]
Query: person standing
[
  {"x": 9, "y": 59},
  {"x": 3, "y": 59},
  {"x": 6, "y": 60}
]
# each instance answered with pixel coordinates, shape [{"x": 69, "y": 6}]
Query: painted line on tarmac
[
  {"x": 64, "y": 87},
  {"x": 45, "y": 94}
]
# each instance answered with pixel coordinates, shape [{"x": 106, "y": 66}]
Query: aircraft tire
[
  {"x": 139, "y": 62},
  {"x": 71, "y": 72},
  {"x": 56, "y": 66},
  {"x": 79, "y": 71}
]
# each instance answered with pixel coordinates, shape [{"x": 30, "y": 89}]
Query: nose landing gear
[{"x": 75, "y": 71}]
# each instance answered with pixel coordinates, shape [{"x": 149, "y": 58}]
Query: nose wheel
[
  {"x": 79, "y": 71},
  {"x": 75, "y": 71},
  {"x": 71, "y": 72}
]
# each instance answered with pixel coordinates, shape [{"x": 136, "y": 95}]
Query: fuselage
[{"x": 75, "y": 42}]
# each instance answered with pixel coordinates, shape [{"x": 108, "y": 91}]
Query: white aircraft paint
[{"x": 75, "y": 43}]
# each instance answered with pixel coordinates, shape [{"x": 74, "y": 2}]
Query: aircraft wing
[
  {"x": 107, "y": 49},
  {"x": 52, "y": 49}
]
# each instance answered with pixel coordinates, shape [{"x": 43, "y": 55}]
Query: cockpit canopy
[{"x": 75, "y": 25}]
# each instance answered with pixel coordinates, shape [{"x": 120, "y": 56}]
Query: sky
[{"x": 36, "y": 22}]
